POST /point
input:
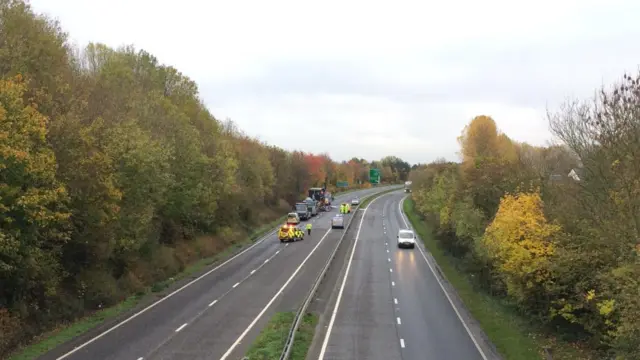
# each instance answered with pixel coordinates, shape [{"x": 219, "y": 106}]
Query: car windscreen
[
  {"x": 301, "y": 207},
  {"x": 405, "y": 235}
]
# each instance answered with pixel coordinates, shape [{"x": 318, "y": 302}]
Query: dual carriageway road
[{"x": 386, "y": 303}]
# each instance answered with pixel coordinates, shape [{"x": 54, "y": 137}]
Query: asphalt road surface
[
  {"x": 219, "y": 314},
  {"x": 391, "y": 305}
]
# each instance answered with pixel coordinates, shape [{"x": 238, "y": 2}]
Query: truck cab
[
  {"x": 407, "y": 186},
  {"x": 303, "y": 211},
  {"x": 312, "y": 206}
]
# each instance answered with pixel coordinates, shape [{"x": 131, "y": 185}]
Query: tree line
[
  {"x": 554, "y": 230},
  {"x": 114, "y": 175}
]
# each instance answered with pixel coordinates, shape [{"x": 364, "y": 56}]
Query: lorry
[
  {"x": 312, "y": 206},
  {"x": 318, "y": 194},
  {"x": 303, "y": 211},
  {"x": 407, "y": 186}
]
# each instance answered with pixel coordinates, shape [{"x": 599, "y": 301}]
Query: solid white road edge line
[
  {"x": 81, "y": 346},
  {"x": 455, "y": 309},
  {"x": 344, "y": 281},
  {"x": 163, "y": 299},
  {"x": 253, "y": 323}
]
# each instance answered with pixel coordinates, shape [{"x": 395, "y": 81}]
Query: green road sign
[
  {"x": 342, "y": 184},
  {"x": 374, "y": 176}
]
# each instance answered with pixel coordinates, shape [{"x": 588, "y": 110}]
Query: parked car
[
  {"x": 337, "y": 221},
  {"x": 293, "y": 218}
]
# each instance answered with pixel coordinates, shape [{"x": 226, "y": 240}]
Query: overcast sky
[{"x": 374, "y": 78}]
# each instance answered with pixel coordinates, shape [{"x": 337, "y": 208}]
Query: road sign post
[{"x": 374, "y": 176}]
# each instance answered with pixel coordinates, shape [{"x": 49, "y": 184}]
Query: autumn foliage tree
[{"x": 520, "y": 242}]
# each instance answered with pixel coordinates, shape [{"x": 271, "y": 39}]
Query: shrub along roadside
[
  {"x": 514, "y": 337},
  {"x": 270, "y": 342}
]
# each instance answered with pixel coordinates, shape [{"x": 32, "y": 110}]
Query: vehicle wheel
[
  {"x": 413, "y": 246},
  {"x": 281, "y": 240}
]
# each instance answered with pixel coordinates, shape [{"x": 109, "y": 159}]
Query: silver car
[
  {"x": 355, "y": 201},
  {"x": 337, "y": 221}
]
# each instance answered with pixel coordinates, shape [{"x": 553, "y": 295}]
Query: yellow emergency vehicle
[{"x": 289, "y": 232}]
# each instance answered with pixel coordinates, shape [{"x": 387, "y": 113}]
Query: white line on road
[
  {"x": 81, "y": 346},
  {"x": 140, "y": 358},
  {"x": 393, "y": 283},
  {"x": 395, "y": 301},
  {"x": 402, "y": 343},
  {"x": 455, "y": 309},
  {"x": 213, "y": 303},
  {"x": 344, "y": 282},
  {"x": 181, "y": 327},
  {"x": 236, "y": 285},
  {"x": 390, "y": 270},
  {"x": 253, "y": 323},
  {"x": 387, "y": 244},
  {"x": 387, "y": 250},
  {"x": 253, "y": 271},
  {"x": 389, "y": 259},
  {"x": 398, "y": 320},
  {"x": 266, "y": 261}
]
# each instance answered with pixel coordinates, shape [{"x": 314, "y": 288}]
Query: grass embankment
[
  {"x": 270, "y": 342},
  {"x": 514, "y": 337},
  {"x": 52, "y": 339}
]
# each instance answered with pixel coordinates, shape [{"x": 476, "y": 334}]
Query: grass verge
[
  {"x": 514, "y": 337},
  {"x": 52, "y": 339},
  {"x": 270, "y": 342}
]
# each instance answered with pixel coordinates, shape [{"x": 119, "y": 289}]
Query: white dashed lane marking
[
  {"x": 398, "y": 320},
  {"x": 395, "y": 301},
  {"x": 402, "y": 343},
  {"x": 181, "y": 327}
]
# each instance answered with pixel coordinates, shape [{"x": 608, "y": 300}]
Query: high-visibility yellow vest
[{"x": 308, "y": 226}]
